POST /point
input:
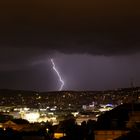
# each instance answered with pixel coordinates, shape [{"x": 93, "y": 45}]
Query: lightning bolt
[{"x": 58, "y": 74}]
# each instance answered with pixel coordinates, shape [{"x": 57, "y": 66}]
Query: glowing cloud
[{"x": 58, "y": 74}]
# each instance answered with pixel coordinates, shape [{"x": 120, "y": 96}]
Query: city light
[{"x": 32, "y": 116}]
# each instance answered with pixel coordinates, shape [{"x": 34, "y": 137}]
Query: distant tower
[{"x": 133, "y": 98}]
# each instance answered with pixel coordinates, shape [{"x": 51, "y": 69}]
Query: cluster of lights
[{"x": 32, "y": 116}]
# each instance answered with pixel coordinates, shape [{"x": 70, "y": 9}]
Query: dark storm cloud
[
  {"x": 33, "y": 31},
  {"x": 95, "y": 27},
  {"x": 33, "y": 78},
  {"x": 12, "y": 58}
]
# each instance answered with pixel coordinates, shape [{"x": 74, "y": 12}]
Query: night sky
[{"x": 95, "y": 44}]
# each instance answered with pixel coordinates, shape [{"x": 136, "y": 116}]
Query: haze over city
[{"x": 94, "y": 44}]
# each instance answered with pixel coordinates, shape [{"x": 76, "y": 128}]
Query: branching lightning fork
[{"x": 58, "y": 74}]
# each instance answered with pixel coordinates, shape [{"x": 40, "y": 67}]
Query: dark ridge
[{"x": 12, "y": 92}]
